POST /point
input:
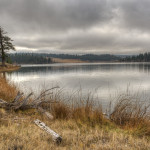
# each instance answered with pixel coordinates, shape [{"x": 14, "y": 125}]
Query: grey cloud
[
  {"x": 91, "y": 42},
  {"x": 109, "y": 43},
  {"x": 78, "y": 26},
  {"x": 42, "y": 15},
  {"x": 134, "y": 14}
]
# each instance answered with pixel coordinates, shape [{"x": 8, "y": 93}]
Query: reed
[
  {"x": 8, "y": 90},
  {"x": 133, "y": 114},
  {"x": 81, "y": 124}
]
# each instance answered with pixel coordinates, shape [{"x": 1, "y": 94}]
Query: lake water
[{"x": 104, "y": 80}]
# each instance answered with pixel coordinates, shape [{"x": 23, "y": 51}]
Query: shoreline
[{"x": 9, "y": 68}]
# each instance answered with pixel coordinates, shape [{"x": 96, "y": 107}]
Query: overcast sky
[{"x": 78, "y": 26}]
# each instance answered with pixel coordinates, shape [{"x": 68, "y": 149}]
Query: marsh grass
[
  {"x": 80, "y": 123},
  {"x": 8, "y": 90},
  {"x": 132, "y": 114},
  {"x": 8, "y": 67}
]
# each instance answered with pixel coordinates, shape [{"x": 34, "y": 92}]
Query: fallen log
[
  {"x": 49, "y": 115},
  {"x": 56, "y": 137}
]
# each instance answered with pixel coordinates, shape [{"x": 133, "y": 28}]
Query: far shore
[
  {"x": 60, "y": 60},
  {"x": 14, "y": 67},
  {"x": 9, "y": 68}
]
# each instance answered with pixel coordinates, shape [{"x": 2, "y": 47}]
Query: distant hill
[
  {"x": 43, "y": 58},
  {"x": 28, "y": 58},
  {"x": 87, "y": 57},
  {"x": 137, "y": 58}
]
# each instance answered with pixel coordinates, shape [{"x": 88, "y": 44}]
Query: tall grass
[
  {"x": 81, "y": 124},
  {"x": 128, "y": 112},
  {"x": 84, "y": 112},
  {"x": 8, "y": 90},
  {"x": 133, "y": 114}
]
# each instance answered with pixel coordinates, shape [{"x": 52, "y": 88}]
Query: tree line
[
  {"x": 87, "y": 57},
  {"x": 138, "y": 58},
  {"x": 28, "y": 58},
  {"x": 43, "y": 58}
]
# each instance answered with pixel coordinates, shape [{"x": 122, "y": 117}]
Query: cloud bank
[{"x": 78, "y": 26}]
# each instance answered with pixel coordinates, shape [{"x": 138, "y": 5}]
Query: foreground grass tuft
[{"x": 133, "y": 115}]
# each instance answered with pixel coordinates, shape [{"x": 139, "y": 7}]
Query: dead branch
[
  {"x": 43, "y": 94},
  {"x": 20, "y": 103},
  {"x": 17, "y": 98}
]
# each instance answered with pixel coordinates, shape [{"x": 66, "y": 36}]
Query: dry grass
[
  {"x": 84, "y": 113},
  {"x": 23, "y": 134},
  {"x": 7, "y": 90},
  {"x": 132, "y": 114},
  {"x": 82, "y": 126},
  {"x": 9, "y": 67},
  {"x": 59, "y": 60}
]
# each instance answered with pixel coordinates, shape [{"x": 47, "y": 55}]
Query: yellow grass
[
  {"x": 8, "y": 68},
  {"x": 133, "y": 115},
  {"x": 7, "y": 90},
  {"x": 21, "y": 133},
  {"x": 81, "y": 126},
  {"x": 59, "y": 60}
]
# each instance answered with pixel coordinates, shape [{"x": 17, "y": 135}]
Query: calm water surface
[{"x": 105, "y": 80}]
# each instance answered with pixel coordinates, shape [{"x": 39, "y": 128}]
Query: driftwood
[
  {"x": 49, "y": 115},
  {"x": 20, "y": 103},
  {"x": 56, "y": 137}
]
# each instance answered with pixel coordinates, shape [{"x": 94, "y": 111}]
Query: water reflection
[
  {"x": 106, "y": 79},
  {"x": 83, "y": 67}
]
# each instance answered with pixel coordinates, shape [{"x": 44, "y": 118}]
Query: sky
[{"x": 78, "y": 26}]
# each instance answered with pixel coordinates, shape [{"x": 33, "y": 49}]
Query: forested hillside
[
  {"x": 42, "y": 58},
  {"x": 87, "y": 57},
  {"x": 29, "y": 58},
  {"x": 138, "y": 58}
]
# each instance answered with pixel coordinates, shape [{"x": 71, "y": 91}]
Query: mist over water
[{"x": 105, "y": 81}]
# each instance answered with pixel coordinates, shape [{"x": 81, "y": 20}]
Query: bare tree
[{"x": 5, "y": 45}]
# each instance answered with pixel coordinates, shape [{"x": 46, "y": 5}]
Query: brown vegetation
[
  {"x": 8, "y": 67},
  {"x": 23, "y": 134},
  {"x": 59, "y": 60},
  {"x": 7, "y": 90},
  {"x": 133, "y": 115},
  {"x": 82, "y": 126}
]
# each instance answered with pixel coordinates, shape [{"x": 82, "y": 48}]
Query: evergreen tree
[
  {"x": 138, "y": 58},
  {"x": 5, "y": 45}
]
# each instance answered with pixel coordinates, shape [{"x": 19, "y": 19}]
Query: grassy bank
[
  {"x": 82, "y": 126},
  {"x": 9, "y": 67},
  {"x": 59, "y": 60}
]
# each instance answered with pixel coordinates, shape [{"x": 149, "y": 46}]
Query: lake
[{"x": 105, "y": 81}]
